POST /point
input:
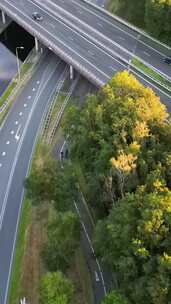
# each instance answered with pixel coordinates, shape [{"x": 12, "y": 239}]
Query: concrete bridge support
[
  {"x": 3, "y": 17},
  {"x": 71, "y": 72},
  {"x": 36, "y": 44}
]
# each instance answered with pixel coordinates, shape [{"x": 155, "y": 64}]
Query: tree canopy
[
  {"x": 63, "y": 239},
  {"x": 122, "y": 140},
  {"x": 152, "y": 15},
  {"x": 55, "y": 289}
]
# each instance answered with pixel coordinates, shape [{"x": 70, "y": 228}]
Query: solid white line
[
  {"x": 22, "y": 197},
  {"x": 19, "y": 146},
  {"x": 62, "y": 42},
  {"x": 91, "y": 246},
  {"x": 146, "y": 53},
  {"x": 114, "y": 25}
]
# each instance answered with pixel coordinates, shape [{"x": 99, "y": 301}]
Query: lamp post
[
  {"x": 18, "y": 63},
  {"x": 133, "y": 52}
]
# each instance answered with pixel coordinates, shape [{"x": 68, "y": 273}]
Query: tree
[
  {"x": 123, "y": 166},
  {"x": 63, "y": 239},
  {"x": 114, "y": 297},
  {"x": 48, "y": 183},
  {"x": 55, "y": 289},
  {"x": 135, "y": 241},
  {"x": 157, "y": 19}
]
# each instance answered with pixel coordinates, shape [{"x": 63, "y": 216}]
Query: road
[
  {"x": 105, "y": 29},
  {"x": 17, "y": 137},
  {"x": 78, "y": 35}
]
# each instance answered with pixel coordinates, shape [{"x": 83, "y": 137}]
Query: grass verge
[
  {"x": 137, "y": 63},
  {"x": 15, "y": 286}
]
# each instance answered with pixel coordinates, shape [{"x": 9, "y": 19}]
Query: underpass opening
[{"x": 13, "y": 36}]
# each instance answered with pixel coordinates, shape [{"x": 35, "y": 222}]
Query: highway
[
  {"x": 74, "y": 39},
  {"x": 17, "y": 137},
  {"x": 108, "y": 31},
  {"x": 90, "y": 59}
]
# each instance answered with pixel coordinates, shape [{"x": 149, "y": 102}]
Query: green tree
[
  {"x": 55, "y": 289},
  {"x": 114, "y": 297},
  {"x": 63, "y": 239},
  {"x": 135, "y": 242},
  {"x": 157, "y": 19}
]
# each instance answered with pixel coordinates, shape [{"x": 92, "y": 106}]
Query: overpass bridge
[{"x": 86, "y": 37}]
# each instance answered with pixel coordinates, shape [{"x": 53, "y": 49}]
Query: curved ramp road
[{"x": 17, "y": 138}]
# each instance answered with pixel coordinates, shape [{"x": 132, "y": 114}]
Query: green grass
[
  {"x": 15, "y": 286},
  {"x": 137, "y": 63},
  {"x": 7, "y": 92}
]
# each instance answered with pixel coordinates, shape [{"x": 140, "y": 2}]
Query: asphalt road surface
[
  {"x": 100, "y": 26},
  {"x": 78, "y": 34},
  {"x": 17, "y": 137}
]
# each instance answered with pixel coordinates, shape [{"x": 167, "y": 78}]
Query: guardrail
[
  {"x": 63, "y": 106},
  {"x": 52, "y": 104}
]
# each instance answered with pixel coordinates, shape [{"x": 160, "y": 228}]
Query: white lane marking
[
  {"x": 29, "y": 97},
  {"x": 19, "y": 213},
  {"x": 146, "y": 53},
  {"x": 117, "y": 26},
  {"x": 101, "y": 25},
  {"x": 66, "y": 45},
  {"x": 3, "y": 153},
  {"x": 33, "y": 89},
  {"x": 20, "y": 113},
  {"x": 16, "y": 122},
  {"x": 25, "y": 105},
  {"x": 0, "y": 165},
  {"x": 92, "y": 249},
  {"x": 8, "y": 142},
  {"x": 37, "y": 81},
  {"x": 90, "y": 52},
  {"x": 112, "y": 68},
  {"x": 17, "y": 135},
  {"x": 12, "y": 132},
  {"x": 121, "y": 38}
]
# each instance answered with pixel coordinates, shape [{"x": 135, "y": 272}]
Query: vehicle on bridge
[
  {"x": 167, "y": 60},
  {"x": 37, "y": 17}
]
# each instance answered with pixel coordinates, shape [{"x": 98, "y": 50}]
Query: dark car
[
  {"x": 37, "y": 17},
  {"x": 167, "y": 60}
]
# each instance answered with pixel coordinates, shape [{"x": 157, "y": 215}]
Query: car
[
  {"x": 167, "y": 60},
  {"x": 37, "y": 16}
]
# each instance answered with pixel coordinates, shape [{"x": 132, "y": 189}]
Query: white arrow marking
[{"x": 17, "y": 135}]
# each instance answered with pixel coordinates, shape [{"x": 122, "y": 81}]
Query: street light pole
[{"x": 18, "y": 63}]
